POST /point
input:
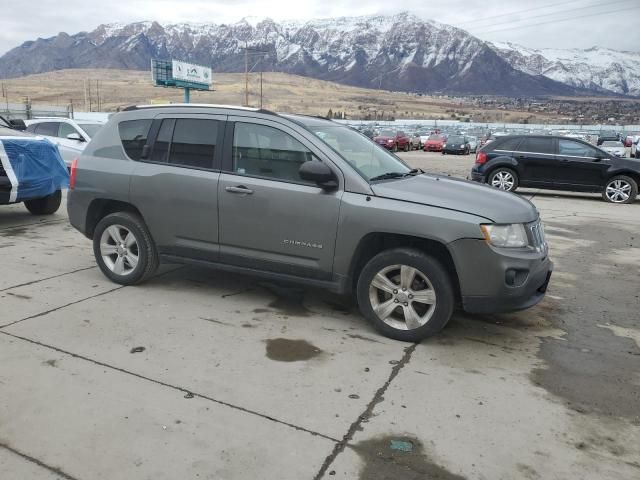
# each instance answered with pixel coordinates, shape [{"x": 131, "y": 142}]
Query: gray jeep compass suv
[{"x": 303, "y": 199}]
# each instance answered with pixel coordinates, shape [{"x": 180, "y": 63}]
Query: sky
[{"x": 532, "y": 23}]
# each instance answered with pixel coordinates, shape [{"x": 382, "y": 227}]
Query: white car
[
  {"x": 614, "y": 147},
  {"x": 473, "y": 144},
  {"x": 71, "y": 136}
]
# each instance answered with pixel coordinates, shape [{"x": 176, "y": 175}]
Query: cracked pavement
[{"x": 203, "y": 374}]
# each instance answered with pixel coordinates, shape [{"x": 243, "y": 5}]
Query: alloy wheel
[
  {"x": 402, "y": 297},
  {"x": 503, "y": 181},
  {"x": 119, "y": 249},
  {"x": 618, "y": 191}
]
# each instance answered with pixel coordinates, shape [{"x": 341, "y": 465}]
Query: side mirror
[
  {"x": 319, "y": 173},
  {"x": 18, "y": 124},
  {"x": 75, "y": 136}
]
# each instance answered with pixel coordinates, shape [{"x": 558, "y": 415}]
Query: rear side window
[
  {"x": 133, "y": 135},
  {"x": 536, "y": 145},
  {"x": 161, "y": 146},
  {"x": 510, "y": 144},
  {"x": 49, "y": 129},
  {"x": 576, "y": 149},
  {"x": 194, "y": 142},
  {"x": 264, "y": 151}
]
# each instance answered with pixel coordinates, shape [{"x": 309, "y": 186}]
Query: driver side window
[{"x": 262, "y": 151}]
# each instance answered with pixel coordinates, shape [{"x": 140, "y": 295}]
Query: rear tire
[
  {"x": 421, "y": 310},
  {"x": 46, "y": 205},
  {"x": 620, "y": 189},
  {"x": 504, "y": 179},
  {"x": 406, "y": 147},
  {"x": 116, "y": 262},
  {"x": 395, "y": 148}
]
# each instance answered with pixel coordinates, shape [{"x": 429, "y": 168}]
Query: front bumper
[
  {"x": 497, "y": 280},
  {"x": 433, "y": 148}
]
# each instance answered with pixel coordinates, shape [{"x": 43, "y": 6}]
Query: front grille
[{"x": 537, "y": 238}]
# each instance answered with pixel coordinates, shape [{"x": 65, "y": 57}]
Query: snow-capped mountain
[
  {"x": 599, "y": 69},
  {"x": 396, "y": 52}
]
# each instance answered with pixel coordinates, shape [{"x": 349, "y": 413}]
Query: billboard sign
[{"x": 189, "y": 72}]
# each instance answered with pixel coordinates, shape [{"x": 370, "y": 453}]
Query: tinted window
[
  {"x": 509, "y": 144},
  {"x": 90, "y": 128},
  {"x": 536, "y": 145},
  {"x": 456, "y": 140},
  {"x": 47, "y": 128},
  {"x": 66, "y": 129},
  {"x": 434, "y": 137},
  {"x": 31, "y": 128},
  {"x": 576, "y": 149},
  {"x": 194, "y": 142},
  {"x": 267, "y": 152},
  {"x": 133, "y": 134},
  {"x": 160, "y": 151}
]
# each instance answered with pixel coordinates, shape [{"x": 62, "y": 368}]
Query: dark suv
[
  {"x": 305, "y": 200},
  {"x": 556, "y": 163}
]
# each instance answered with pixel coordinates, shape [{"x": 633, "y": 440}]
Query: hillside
[{"x": 282, "y": 93}]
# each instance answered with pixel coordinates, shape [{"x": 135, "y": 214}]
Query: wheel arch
[
  {"x": 627, "y": 173},
  {"x": 101, "y": 207},
  {"x": 375, "y": 242}
]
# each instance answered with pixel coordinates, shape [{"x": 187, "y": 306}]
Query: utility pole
[
  {"x": 260, "y": 83},
  {"x": 85, "y": 95},
  {"x": 246, "y": 75}
]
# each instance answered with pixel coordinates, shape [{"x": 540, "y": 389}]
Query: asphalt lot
[{"x": 207, "y": 375}]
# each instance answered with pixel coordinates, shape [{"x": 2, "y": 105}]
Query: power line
[
  {"x": 558, "y": 12},
  {"x": 560, "y": 4},
  {"x": 562, "y": 20}
]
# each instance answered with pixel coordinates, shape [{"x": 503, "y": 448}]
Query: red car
[
  {"x": 435, "y": 143},
  {"x": 393, "y": 140}
]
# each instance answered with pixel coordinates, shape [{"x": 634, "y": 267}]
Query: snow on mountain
[
  {"x": 398, "y": 52},
  {"x": 599, "y": 69}
]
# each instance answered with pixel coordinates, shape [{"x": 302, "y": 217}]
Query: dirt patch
[
  {"x": 285, "y": 350},
  {"x": 392, "y": 458}
]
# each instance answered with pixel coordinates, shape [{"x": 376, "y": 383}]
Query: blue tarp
[{"x": 33, "y": 166}]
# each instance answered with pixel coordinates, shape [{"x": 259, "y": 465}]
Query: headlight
[
  {"x": 511, "y": 236},
  {"x": 444, "y": 145},
  {"x": 462, "y": 146}
]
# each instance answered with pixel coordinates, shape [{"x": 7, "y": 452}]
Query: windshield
[
  {"x": 455, "y": 140},
  {"x": 387, "y": 133},
  {"x": 367, "y": 158},
  {"x": 434, "y": 137},
  {"x": 611, "y": 144},
  {"x": 90, "y": 128}
]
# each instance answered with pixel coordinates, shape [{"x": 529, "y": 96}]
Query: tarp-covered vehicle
[{"x": 31, "y": 171}]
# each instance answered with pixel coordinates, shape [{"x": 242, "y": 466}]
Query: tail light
[
  {"x": 481, "y": 158},
  {"x": 72, "y": 176}
]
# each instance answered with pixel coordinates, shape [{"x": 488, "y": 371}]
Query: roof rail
[{"x": 197, "y": 105}]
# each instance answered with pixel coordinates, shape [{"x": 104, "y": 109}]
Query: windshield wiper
[{"x": 390, "y": 175}]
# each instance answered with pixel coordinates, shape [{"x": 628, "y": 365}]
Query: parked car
[
  {"x": 393, "y": 140},
  {"x": 473, "y": 143},
  {"x": 305, "y": 200},
  {"x": 614, "y": 147},
  {"x": 557, "y": 163},
  {"x": 415, "y": 141},
  {"x": 31, "y": 171},
  {"x": 456, "y": 144},
  {"x": 71, "y": 136},
  {"x": 435, "y": 143},
  {"x": 424, "y": 136},
  {"x": 609, "y": 137},
  {"x": 635, "y": 146}
]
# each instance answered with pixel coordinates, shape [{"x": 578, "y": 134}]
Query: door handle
[{"x": 239, "y": 189}]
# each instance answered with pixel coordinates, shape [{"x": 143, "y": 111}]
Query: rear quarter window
[
  {"x": 509, "y": 144},
  {"x": 133, "y": 135}
]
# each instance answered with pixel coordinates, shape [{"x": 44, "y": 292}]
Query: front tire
[
  {"x": 620, "y": 189},
  {"x": 406, "y": 147},
  {"x": 504, "y": 179},
  {"x": 406, "y": 294},
  {"x": 45, "y": 206},
  {"x": 124, "y": 249},
  {"x": 395, "y": 148}
]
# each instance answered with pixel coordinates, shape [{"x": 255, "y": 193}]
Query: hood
[
  {"x": 435, "y": 141},
  {"x": 460, "y": 195},
  {"x": 383, "y": 138}
]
